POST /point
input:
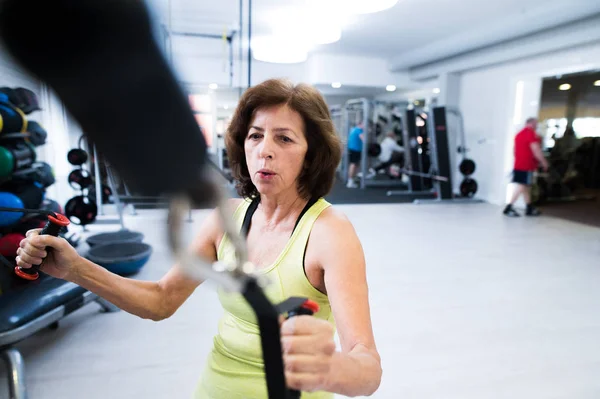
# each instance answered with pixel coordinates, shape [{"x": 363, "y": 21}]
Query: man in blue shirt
[{"x": 355, "y": 146}]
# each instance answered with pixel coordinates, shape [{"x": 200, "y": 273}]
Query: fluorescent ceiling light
[
  {"x": 436, "y": 91},
  {"x": 358, "y": 6},
  {"x": 597, "y": 83},
  {"x": 390, "y": 88},
  {"x": 336, "y": 85},
  {"x": 213, "y": 86},
  {"x": 280, "y": 50},
  {"x": 564, "y": 87}
]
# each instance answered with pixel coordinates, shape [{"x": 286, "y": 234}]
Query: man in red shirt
[{"x": 528, "y": 155}]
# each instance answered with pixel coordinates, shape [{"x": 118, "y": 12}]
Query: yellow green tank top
[{"x": 235, "y": 366}]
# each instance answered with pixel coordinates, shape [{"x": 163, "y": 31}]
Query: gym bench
[{"x": 29, "y": 307}]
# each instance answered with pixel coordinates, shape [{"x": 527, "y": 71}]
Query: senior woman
[{"x": 283, "y": 151}]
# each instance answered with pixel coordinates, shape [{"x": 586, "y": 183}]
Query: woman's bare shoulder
[{"x": 332, "y": 222}]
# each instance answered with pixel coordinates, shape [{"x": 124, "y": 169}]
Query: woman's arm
[
  {"x": 356, "y": 370},
  {"x": 147, "y": 299}
]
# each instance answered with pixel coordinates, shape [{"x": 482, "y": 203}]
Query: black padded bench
[{"x": 27, "y": 307}]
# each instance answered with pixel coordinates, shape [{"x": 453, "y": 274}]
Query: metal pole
[
  {"x": 195, "y": 34},
  {"x": 346, "y": 130},
  {"x": 241, "y": 45},
  {"x": 170, "y": 30},
  {"x": 16, "y": 373},
  {"x": 433, "y": 151},
  {"x": 111, "y": 183},
  {"x": 363, "y": 159},
  {"x": 407, "y": 154},
  {"x": 249, "y": 43},
  {"x": 230, "y": 43},
  {"x": 98, "y": 183}
]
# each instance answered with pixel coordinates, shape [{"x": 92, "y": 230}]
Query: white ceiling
[{"x": 404, "y": 29}]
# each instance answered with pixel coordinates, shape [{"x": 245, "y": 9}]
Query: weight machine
[
  {"x": 370, "y": 113},
  {"x": 441, "y": 169},
  {"x": 337, "y": 117}
]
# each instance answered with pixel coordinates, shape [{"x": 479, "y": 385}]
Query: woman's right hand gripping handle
[{"x": 60, "y": 262}]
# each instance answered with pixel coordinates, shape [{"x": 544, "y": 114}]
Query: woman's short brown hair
[{"x": 324, "y": 147}]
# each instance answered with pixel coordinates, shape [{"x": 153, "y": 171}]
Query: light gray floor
[{"x": 466, "y": 304}]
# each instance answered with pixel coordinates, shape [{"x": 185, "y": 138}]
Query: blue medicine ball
[{"x": 9, "y": 200}]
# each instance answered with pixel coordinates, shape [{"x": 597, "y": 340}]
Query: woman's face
[{"x": 275, "y": 149}]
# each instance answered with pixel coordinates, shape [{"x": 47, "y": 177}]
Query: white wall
[{"x": 495, "y": 105}]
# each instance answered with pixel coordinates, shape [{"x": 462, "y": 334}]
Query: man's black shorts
[
  {"x": 354, "y": 156},
  {"x": 523, "y": 177}
]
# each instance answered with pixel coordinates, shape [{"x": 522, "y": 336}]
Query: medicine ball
[
  {"x": 37, "y": 134},
  {"x": 12, "y": 119},
  {"x": 81, "y": 210},
  {"x": 9, "y": 244},
  {"x": 374, "y": 150},
  {"x": 80, "y": 179},
  {"x": 10, "y": 200},
  {"x": 44, "y": 174},
  {"x": 51, "y": 205},
  {"x": 22, "y": 98}
]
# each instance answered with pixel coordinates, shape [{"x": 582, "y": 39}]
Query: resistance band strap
[
  {"x": 130, "y": 105},
  {"x": 267, "y": 315}
]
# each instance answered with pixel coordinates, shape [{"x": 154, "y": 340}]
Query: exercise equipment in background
[
  {"x": 439, "y": 133},
  {"x": 22, "y": 98},
  {"x": 377, "y": 118},
  {"x": 80, "y": 179},
  {"x": 123, "y": 251},
  {"x": 121, "y": 236},
  {"x": 37, "y": 134},
  {"x": 29, "y": 197},
  {"x": 122, "y": 258},
  {"x": 106, "y": 196},
  {"x": 9, "y": 243},
  {"x": 81, "y": 210},
  {"x": 16, "y": 155},
  {"x": 468, "y": 187},
  {"x": 77, "y": 156},
  {"x": 12, "y": 119}
]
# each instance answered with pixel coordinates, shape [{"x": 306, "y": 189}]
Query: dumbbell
[
  {"x": 53, "y": 227},
  {"x": 15, "y": 156}
]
